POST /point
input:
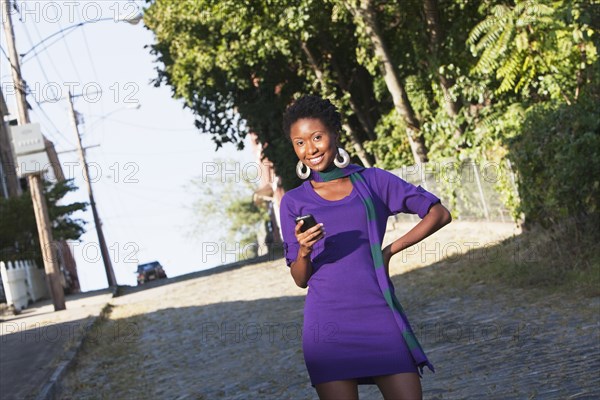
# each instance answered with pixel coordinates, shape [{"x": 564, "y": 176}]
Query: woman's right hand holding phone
[{"x": 309, "y": 238}]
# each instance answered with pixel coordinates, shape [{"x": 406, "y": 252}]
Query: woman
[{"x": 355, "y": 331}]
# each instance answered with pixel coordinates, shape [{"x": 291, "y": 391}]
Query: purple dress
[{"x": 349, "y": 330}]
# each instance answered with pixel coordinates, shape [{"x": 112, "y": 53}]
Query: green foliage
[
  {"x": 225, "y": 196},
  {"x": 421, "y": 67},
  {"x": 234, "y": 64},
  {"x": 245, "y": 217},
  {"x": 557, "y": 155},
  {"x": 533, "y": 56},
  {"x": 536, "y": 47},
  {"x": 238, "y": 64},
  {"x": 228, "y": 61},
  {"x": 64, "y": 227},
  {"x": 19, "y": 235},
  {"x": 391, "y": 148}
]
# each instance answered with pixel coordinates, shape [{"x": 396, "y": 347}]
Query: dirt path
[{"x": 236, "y": 335}]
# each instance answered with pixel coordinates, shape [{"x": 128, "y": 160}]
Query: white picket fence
[{"x": 23, "y": 283}]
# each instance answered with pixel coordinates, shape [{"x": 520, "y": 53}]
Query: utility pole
[
  {"x": 110, "y": 274},
  {"x": 47, "y": 244},
  {"x": 10, "y": 182}
]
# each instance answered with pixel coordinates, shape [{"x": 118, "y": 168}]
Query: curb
[{"x": 50, "y": 389}]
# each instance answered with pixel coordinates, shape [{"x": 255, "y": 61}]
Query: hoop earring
[
  {"x": 299, "y": 170},
  {"x": 345, "y": 158}
]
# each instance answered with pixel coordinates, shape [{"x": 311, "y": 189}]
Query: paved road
[
  {"x": 236, "y": 336},
  {"x": 34, "y": 342}
]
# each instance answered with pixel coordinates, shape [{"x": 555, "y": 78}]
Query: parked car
[{"x": 150, "y": 271}]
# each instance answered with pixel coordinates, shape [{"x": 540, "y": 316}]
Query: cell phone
[{"x": 309, "y": 222}]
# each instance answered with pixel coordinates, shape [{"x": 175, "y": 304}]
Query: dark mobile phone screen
[{"x": 309, "y": 222}]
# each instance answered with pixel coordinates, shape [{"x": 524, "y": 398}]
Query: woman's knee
[
  {"x": 347, "y": 389},
  {"x": 403, "y": 386}
]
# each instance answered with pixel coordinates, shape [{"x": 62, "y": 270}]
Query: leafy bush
[{"x": 557, "y": 156}]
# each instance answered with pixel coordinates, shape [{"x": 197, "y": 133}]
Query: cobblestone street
[{"x": 236, "y": 335}]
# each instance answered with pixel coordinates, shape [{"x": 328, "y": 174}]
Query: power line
[
  {"x": 51, "y": 264},
  {"x": 7, "y": 58},
  {"x": 153, "y": 128},
  {"x": 68, "y": 30},
  {"x": 49, "y": 58},
  {"x": 9, "y": 62},
  {"x": 116, "y": 203},
  {"x": 87, "y": 48},
  {"x": 42, "y": 69},
  {"x": 48, "y": 119},
  {"x": 57, "y": 131},
  {"x": 70, "y": 55}
]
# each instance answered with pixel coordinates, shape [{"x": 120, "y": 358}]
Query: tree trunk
[
  {"x": 360, "y": 115},
  {"x": 401, "y": 102},
  {"x": 434, "y": 31},
  {"x": 356, "y": 143}
]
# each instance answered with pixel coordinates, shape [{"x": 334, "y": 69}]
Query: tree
[
  {"x": 238, "y": 65},
  {"x": 227, "y": 62},
  {"x": 225, "y": 206},
  {"x": 541, "y": 51},
  {"x": 18, "y": 236},
  {"x": 364, "y": 13},
  {"x": 435, "y": 32},
  {"x": 541, "y": 61},
  {"x": 398, "y": 71}
]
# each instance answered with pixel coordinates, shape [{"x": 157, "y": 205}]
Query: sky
[{"x": 147, "y": 149}]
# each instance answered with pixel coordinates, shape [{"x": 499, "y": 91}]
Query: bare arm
[
  {"x": 437, "y": 217},
  {"x": 301, "y": 269}
]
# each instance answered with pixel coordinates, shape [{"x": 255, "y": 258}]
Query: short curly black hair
[{"x": 312, "y": 107}]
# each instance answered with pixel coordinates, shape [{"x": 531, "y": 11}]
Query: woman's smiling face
[{"x": 314, "y": 145}]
